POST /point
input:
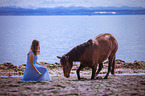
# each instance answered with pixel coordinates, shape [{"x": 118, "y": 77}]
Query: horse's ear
[{"x": 59, "y": 57}]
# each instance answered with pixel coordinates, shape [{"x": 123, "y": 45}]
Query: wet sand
[{"x": 115, "y": 85}]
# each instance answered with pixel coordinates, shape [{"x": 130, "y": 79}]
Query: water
[{"x": 59, "y": 34}]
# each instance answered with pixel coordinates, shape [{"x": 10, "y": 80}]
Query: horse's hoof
[
  {"x": 105, "y": 77},
  {"x": 82, "y": 78},
  {"x": 99, "y": 77},
  {"x": 92, "y": 78}
]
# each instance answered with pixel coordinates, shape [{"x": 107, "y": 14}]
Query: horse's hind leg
[
  {"x": 113, "y": 67},
  {"x": 100, "y": 68},
  {"x": 94, "y": 71},
  {"x": 109, "y": 66}
]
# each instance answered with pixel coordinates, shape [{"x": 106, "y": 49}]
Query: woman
[{"x": 33, "y": 71}]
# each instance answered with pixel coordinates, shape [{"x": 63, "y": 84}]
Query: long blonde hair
[{"x": 34, "y": 47}]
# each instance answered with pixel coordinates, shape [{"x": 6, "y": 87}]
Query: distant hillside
[{"x": 73, "y": 11}]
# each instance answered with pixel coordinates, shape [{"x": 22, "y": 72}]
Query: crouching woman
[{"x": 33, "y": 71}]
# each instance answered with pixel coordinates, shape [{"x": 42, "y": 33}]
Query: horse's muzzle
[{"x": 67, "y": 76}]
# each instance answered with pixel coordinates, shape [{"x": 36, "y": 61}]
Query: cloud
[{"x": 68, "y": 3}]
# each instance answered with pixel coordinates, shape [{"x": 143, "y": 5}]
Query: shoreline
[{"x": 55, "y": 69}]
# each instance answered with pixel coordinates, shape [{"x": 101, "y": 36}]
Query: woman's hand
[
  {"x": 40, "y": 73},
  {"x": 38, "y": 63}
]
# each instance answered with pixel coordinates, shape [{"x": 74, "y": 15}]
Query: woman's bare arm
[{"x": 31, "y": 56}]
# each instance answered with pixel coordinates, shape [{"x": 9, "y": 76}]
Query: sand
[
  {"x": 132, "y": 83},
  {"x": 115, "y": 85}
]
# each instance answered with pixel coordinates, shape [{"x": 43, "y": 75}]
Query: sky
[{"x": 34, "y": 4}]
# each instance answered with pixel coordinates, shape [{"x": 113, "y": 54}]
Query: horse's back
[
  {"x": 97, "y": 49},
  {"x": 106, "y": 37}
]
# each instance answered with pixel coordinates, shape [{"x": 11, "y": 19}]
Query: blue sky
[{"x": 67, "y": 3}]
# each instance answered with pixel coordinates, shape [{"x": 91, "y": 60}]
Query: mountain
[{"x": 73, "y": 11}]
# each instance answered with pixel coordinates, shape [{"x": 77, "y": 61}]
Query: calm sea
[{"x": 59, "y": 34}]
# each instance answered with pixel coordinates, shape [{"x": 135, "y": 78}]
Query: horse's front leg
[{"x": 78, "y": 71}]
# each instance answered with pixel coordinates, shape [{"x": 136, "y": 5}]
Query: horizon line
[{"x": 121, "y": 7}]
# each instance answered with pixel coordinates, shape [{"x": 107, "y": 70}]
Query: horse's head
[{"x": 66, "y": 65}]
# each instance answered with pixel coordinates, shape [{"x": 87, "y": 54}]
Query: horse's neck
[
  {"x": 76, "y": 52},
  {"x": 73, "y": 55}
]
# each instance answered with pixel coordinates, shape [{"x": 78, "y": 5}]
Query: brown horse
[{"x": 90, "y": 54}]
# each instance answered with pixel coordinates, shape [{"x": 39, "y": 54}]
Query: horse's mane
[{"x": 77, "y": 51}]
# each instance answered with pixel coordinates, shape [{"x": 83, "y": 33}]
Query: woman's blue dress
[{"x": 31, "y": 75}]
